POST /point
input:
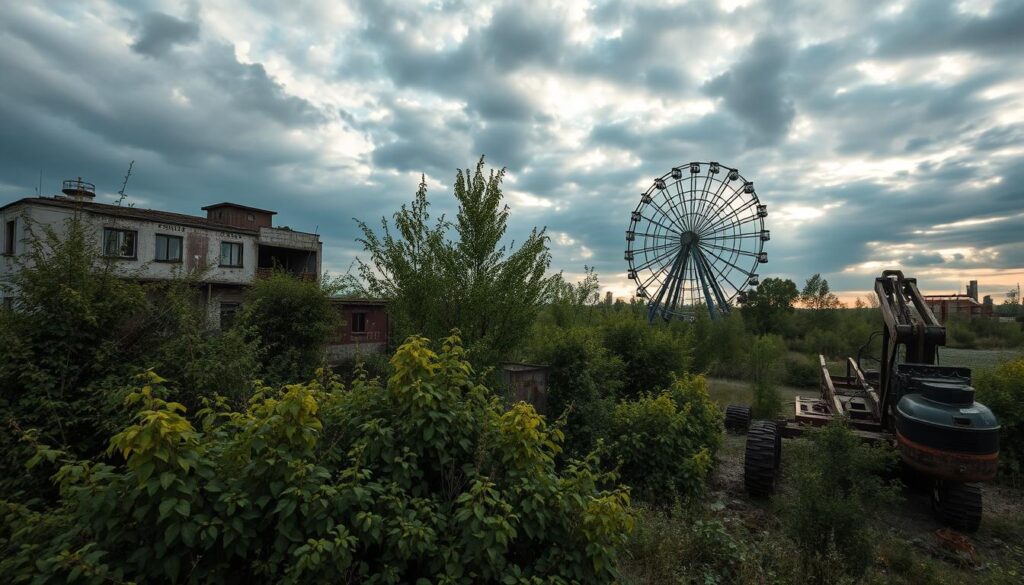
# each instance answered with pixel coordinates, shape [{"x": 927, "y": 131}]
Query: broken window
[
  {"x": 231, "y": 254},
  {"x": 119, "y": 243},
  {"x": 358, "y": 322},
  {"x": 9, "y": 236},
  {"x": 168, "y": 248}
]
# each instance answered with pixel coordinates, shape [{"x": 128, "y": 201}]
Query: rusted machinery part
[
  {"x": 737, "y": 418},
  {"x": 762, "y": 458},
  {"x": 957, "y": 504},
  {"x": 947, "y": 465}
]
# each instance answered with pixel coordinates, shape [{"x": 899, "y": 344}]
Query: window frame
[
  {"x": 135, "y": 243},
  {"x": 360, "y": 318},
  {"x": 11, "y": 237},
  {"x": 168, "y": 260},
  {"x": 241, "y": 254}
]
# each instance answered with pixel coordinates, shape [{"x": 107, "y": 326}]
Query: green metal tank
[{"x": 940, "y": 429}]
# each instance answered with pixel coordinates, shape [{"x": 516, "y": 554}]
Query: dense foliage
[
  {"x": 765, "y": 368},
  {"x": 292, "y": 319},
  {"x": 1002, "y": 390},
  {"x": 81, "y": 329},
  {"x": 435, "y": 282},
  {"x": 428, "y": 480},
  {"x": 770, "y": 306},
  {"x": 664, "y": 442},
  {"x": 834, "y": 483}
]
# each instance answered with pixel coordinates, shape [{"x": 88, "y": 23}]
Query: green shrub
[
  {"x": 664, "y": 442},
  {"x": 428, "y": 480},
  {"x": 652, "y": 354},
  {"x": 292, "y": 319},
  {"x": 802, "y": 371},
  {"x": 834, "y": 482},
  {"x": 583, "y": 380},
  {"x": 1002, "y": 390},
  {"x": 765, "y": 367}
]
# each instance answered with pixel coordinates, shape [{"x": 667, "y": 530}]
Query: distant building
[
  {"x": 961, "y": 305},
  {"x": 365, "y": 329},
  {"x": 230, "y": 247}
]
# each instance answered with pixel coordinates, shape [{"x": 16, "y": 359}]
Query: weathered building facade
[
  {"x": 365, "y": 329},
  {"x": 225, "y": 251}
]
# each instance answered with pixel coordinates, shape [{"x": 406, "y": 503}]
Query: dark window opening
[
  {"x": 227, "y": 315},
  {"x": 358, "y": 322},
  {"x": 168, "y": 248},
  {"x": 9, "y": 237},
  {"x": 231, "y": 254},
  {"x": 119, "y": 243}
]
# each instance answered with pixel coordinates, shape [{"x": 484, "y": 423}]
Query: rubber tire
[
  {"x": 957, "y": 504},
  {"x": 762, "y": 458},
  {"x": 737, "y": 418}
]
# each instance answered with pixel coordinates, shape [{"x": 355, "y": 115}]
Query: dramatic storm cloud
[{"x": 879, "y": 134}]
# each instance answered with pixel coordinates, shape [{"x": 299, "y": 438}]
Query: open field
[
  {"x": 725, "y": 392},
  {"x": 977, "y": 359}
]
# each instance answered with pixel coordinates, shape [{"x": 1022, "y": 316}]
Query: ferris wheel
[{"x": 695, "y": 240}]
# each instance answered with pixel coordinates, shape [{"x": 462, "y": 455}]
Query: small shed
[{"x": 527, "y": 383}]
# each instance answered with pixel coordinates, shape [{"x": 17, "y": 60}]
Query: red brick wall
[{"x": 376, "y": 324}]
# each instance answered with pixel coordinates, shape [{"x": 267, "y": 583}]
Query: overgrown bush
[
  {"x": 292, "y": 319},
  {"x": 834, "y": 483},
  {"x": 652, "y": 354},
  {"x": 765, "y": 367},
  {"x": 70, "y": 341},
  {"x": 802, "y": 371},
  {"x": 427, "y": 481},
  {"x": 664, "y": 442},
  {"x": 1002, "y": 390},
  {"x": 583, "y": 381}
]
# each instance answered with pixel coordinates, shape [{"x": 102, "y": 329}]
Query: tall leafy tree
[
  {"x": 817, "y": 294},
  {"x": 768, "y": 307},
  {"x": 441, "y": 275}
]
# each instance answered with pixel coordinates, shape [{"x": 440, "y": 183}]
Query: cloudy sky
[{"x": 879, "y": 133}]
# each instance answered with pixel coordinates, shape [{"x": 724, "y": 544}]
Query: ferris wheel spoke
[
  {"x": 756, "y": 234},
  {"x": 653, "y": 261},
  {"x": 683, "y": 219},
  {"x": 730, "y": 219},
  {"x": 704, "y": 199},
  {"x": 732, "y": 226},
  {"x": 658, "y": 247},
  {"x": 724, "y": 210},
  {"x": 656, "y": 236},
  {"x": 738, "y": 269},
  {"x": 657, "y": 223},
  {"x": 672, "y": 220},
  {"x": 723, "y": 233},
  {"x": 736, "y": 250}
]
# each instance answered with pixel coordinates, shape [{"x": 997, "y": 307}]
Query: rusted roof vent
[{"x": 79, "y": 189}]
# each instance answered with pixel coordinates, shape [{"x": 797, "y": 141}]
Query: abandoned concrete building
[{"x": 229, "y": 247}]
